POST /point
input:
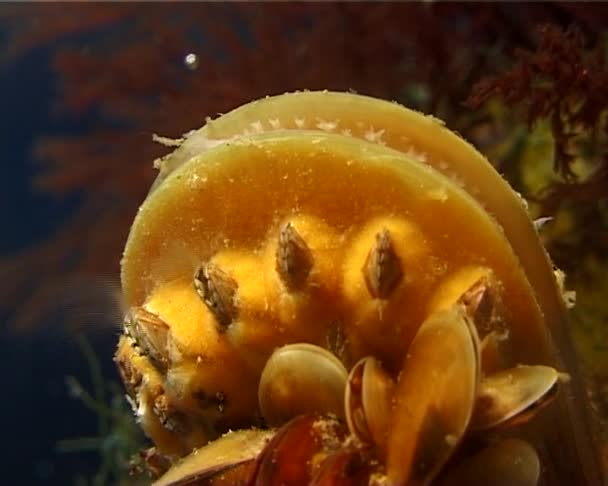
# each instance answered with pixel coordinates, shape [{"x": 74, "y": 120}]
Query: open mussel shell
[
  {"x": 301, "y": 378},
  {"x": 510, "y": 462},
  {"x": 346, "y": 160},
  {"x": 434, "y": 398},
  {"x": 512, "y": 396},
  {"x": 382, "y": 122},
  {"x": 232, "y": 456},
  {"x": 235, "y": 196},
  {"x": 368, "y": 402},
  {"x": 343, "y": 174},
  {"x": 419, "y": 136}
]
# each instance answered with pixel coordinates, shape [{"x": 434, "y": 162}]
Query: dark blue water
[{"x": 36, "y": 409}]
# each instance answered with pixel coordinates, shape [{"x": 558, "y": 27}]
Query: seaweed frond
[
  {"x": 118, "y": 436},
  {"x": 563, "y": 81}
]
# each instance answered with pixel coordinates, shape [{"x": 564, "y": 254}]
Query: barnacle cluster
[{"x": 352, "y": 290}]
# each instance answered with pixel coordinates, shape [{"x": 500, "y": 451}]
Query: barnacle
[{"x": 358, "y": 277}]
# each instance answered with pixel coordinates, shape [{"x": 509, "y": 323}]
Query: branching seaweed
[
  {"x": 565, "y": 82},
  {"x": 561, "y": 81},
  {"x": 118, "y": 436}
]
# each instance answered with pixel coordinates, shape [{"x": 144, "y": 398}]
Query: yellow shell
[{"x": 330, "y": 219}]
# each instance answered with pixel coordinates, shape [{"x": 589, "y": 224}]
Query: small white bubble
[{"x": 191, "y": 61}]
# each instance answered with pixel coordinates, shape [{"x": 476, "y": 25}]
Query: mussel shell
[
  {"x": 514, "y": 395},
  {"x": 510, "y": 462},
  {"x": 419, "y": 136},
  {"x": 347, "y": 467},
  {"x": 296, "y": 452},
  {"x": 233, "y": 449},
  {"x": 299, "y": 379},
  {"x": 434, "y": 397},
  {"x": 150, "y": 333},
  {"x": 368, "y": 401},
  {"x": 240, "y": 474}
]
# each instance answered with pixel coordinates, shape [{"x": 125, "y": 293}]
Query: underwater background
[{"x": 83, "y": 89}]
